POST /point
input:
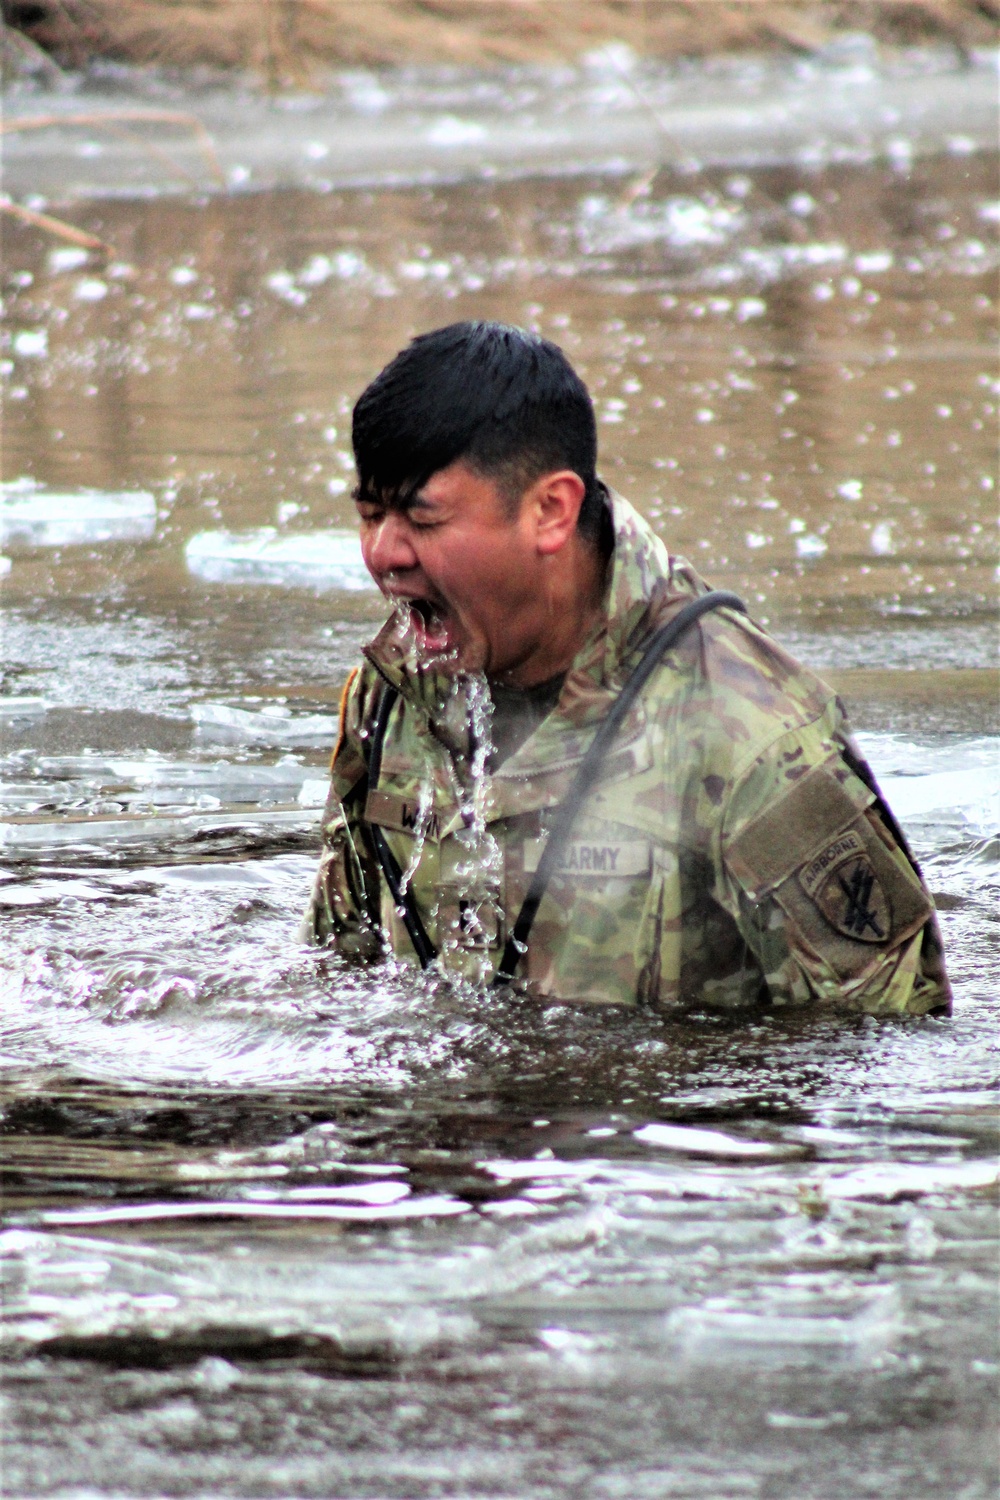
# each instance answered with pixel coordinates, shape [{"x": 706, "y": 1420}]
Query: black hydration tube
[
  {"x": 666, "y": 637},
  {"x": 422, "y": 945}
]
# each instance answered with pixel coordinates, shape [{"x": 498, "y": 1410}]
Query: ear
[{"x": 554, "y": 503}]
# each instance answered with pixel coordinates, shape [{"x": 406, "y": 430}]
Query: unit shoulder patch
[
  {"x": 844, "y": 885},
  {"x": 852, "y": 901}
]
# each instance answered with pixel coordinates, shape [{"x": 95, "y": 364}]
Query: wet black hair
[{"x": 506, "y": 402}]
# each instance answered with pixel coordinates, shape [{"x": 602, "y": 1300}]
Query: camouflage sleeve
[
  {"x": 826, "y": 898},
  {"x": 340, "y": 903}
]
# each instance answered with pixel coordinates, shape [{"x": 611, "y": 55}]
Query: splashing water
[{"x": 787, "y": 1286}]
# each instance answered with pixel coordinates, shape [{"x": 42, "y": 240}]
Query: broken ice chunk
[
  {"x": 306, "y": 559},
  {"x": 38, "y": 518},
  {"x": 21, "y": 707},
  {"x": 271, "y": 726},
  {"x": 699, "y": 1142}
]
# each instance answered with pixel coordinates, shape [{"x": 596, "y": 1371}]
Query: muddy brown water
[{"x": 278, "y": 1227}]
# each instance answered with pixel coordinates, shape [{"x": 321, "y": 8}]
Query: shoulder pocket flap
[
  {"x": 795, "y": 827},
  {"x": 855, "y": 900}
]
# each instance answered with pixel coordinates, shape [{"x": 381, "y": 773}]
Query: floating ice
[
  {"x": 67, "y": 258},
  {"x": 91, "y": 290},
  {"x": 31, "y": 343},
  {"x": 313, "y": 792},
  {"x": 282, "y": 284},
  {"x": 887, "y": 1181},
  {"x": 21, "y": 707},
  {"x": 772, "y": 262},
  {"x": 411, "y": 1208},
  {"x": 750, "y": 307},
  {"x": 317, "y": 269},
  {"x": 616, "y": 59},
  {"x": 717, "y": 1333},
  {"x": 306, "y": 559},
  {"x": 215, "y": 1374},
  {"x": 604, "y": 227},
  {"x": 703, "y": 1142},
  {"x": 153, "y": 781},
  {"x": 520, "y": 1171},
  {"x": 509, "y": 1208},
  {"x": 881, "y": 541},
  {"x": 874, "y": 261},
  {"x": 372, "y": 1193},
  {"x": 347, "y": 264},
  {"x": 46, "y": 892},
  {"x": 796, "y": 1421},
  {"x": 976, "y": 793},
  {"x": 271, "y": 726},
  {"x": 927, "y": 780},
  {"x": 37, "y": 518},
  {"x": 809, "y": 546},
  {"x": 451, "y": 131},
  {"x": 364, "y": 92},
  {"x": 29, "y": 833}
]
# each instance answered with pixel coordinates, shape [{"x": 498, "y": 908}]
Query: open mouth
[{"x": 429, "y": 624}]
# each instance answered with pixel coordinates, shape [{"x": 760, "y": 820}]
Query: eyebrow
[{"x": 416, "y": 501}]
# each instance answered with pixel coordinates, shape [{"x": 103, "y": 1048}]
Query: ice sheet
[
  {"x": 271, "y": 726},
  {"x": 975, "y": 792},
  {"x": 38, "y": 518},
  {"x": 306, "y": 559},
  {"x": 21, "y": 707}
]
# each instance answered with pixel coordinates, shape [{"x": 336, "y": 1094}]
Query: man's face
[{"x": 470, "y": 571}]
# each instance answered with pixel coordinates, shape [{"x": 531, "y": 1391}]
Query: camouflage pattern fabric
[{"x": 728, "y": 854}]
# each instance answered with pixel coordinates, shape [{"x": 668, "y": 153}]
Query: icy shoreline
[{"x": 434, "y": 125}]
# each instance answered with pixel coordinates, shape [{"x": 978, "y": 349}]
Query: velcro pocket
[
  {"x": 848, "y": 892},
  {"x": 794, "y": 828},
  {"x": 855, "y": 900}
]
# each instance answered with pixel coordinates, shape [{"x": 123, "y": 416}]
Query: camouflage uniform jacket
[{"x": 730, "y": 851}]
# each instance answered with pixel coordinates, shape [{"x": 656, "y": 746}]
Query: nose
[{"x": 387, "y": 547}]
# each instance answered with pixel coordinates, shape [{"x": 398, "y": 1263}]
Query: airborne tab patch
[{"x": 843, "y": 884}]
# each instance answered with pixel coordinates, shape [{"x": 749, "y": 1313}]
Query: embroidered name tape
[
  {"x": 584, "y": 857},
  {"x": 403, "y": 816}
]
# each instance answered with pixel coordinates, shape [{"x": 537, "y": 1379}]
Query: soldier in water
[{"x": 566, "y": 764}]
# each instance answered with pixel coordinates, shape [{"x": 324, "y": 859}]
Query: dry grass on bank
[{"x": 285, "y": 40}]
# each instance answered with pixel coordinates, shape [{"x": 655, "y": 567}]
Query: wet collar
[{"x": 645, "y": 581}]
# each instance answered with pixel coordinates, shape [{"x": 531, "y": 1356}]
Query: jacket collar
[{"x": 644, "y": 586}]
